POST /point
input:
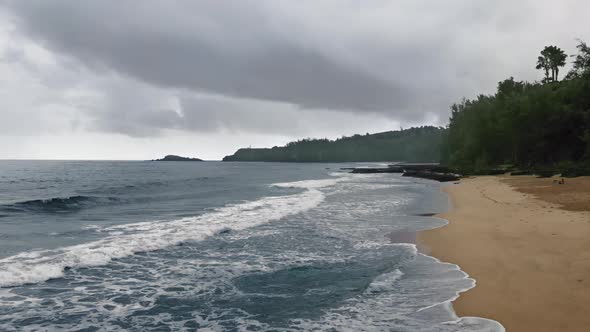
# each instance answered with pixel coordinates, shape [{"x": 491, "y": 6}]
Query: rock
[
  {"x": 377, "y": 170},
  {"x": 431, "y": 171},
  {"x": 418, "y": 166},
  {"x": 441, "y": 177}
]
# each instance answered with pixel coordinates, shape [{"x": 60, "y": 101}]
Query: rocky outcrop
[
  {"x": 431, "y": 171},
  {"x": 368, "y": 170},
  {"x": 441, "y": 177}
]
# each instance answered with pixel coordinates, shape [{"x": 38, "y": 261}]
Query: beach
[{"x": 526, "y": 242}]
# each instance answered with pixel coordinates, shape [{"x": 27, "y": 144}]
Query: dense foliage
[
  {"x": 526, "y": 124},
  {"x": 414, "y": 144}
]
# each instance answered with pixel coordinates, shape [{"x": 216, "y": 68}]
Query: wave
[
  {"x": 421, "y": 303},
  {"x": 147, "y": 186},
  {"x": 39, "y": 266},
  {"x": 58, "y": 204}
]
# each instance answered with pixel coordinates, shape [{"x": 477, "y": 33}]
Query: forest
[
  {"x": 415, "y": 144},
  {"x": 542, "y": 125},
  {"x": 539, "y": 125}
]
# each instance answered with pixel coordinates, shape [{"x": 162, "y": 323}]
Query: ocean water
[{"x": 179, "y": 246}]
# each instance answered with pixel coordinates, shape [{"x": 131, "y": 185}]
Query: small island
[{"x": 172, "y": 157}]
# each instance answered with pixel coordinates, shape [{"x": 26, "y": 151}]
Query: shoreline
[{"x": 529, "y": 256}]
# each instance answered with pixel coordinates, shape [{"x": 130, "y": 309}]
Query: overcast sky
[{"x": 122, "y": 79}]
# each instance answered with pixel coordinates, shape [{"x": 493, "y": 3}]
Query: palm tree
[
  {"x": 557, "y": 59},
  {"x": 552, "y": 57},
  {"x": 543, "y": 63}
]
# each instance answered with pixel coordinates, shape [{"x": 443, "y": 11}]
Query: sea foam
[{"x": 39, "y": 266}]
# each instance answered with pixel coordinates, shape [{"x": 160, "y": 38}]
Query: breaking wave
[
  {"x": 126, "y": 240},
  {"x": 59, "y": 204}
]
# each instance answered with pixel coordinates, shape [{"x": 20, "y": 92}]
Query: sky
[{"x": 121, "y": 79}]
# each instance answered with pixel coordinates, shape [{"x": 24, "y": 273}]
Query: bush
[{"x": 573, "y": 172}]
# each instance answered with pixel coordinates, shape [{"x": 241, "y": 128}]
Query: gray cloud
[
  {"x": 139, "y": 110},
  {"x": 208, "y": 46},
  {"x": 272, "y": 67}
]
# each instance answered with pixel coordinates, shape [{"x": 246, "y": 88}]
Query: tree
[
  {"x": 552, "y": 57},
  {"x": 557, "y": 59},
  {"x": 581, "y": 62},
  {"x": 421, "y": 144},
  {"x": 543, "y": 63}
]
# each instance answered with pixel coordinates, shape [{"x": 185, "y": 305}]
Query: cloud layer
[{"x": 273, "y": 67}]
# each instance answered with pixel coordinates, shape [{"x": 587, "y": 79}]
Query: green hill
[{"x": 415, "y": 144}]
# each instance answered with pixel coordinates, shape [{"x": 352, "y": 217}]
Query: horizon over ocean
[{"x": 220, "y": 246}]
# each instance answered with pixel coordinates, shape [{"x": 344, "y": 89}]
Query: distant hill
[
  {"x": 421, "y": 144},
  {"x": 172, "y": 157}
]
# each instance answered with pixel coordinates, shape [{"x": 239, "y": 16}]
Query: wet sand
[{"x": 526, "y": 241}]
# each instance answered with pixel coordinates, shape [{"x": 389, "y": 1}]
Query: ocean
[{"x": 213, "y": 246}]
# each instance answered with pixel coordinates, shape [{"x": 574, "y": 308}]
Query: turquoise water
[{"x": 173, "y": 246}]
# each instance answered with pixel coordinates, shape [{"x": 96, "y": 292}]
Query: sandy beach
[{"x": 526, "y": 241}]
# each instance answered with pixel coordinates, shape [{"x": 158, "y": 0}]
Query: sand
[{"x": 526, "y": 242}]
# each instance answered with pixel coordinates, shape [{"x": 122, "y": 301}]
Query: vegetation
[
  {"x": 535, "y": 125},
  {"x": 541, "y": 127},
  {"x": 415, "y": 145},
  {"x": 551, "y": 59}
]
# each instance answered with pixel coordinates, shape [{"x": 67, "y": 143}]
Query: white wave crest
[
  {"x": 314, "y": 184},
  {"x": 39, "y": 266}
]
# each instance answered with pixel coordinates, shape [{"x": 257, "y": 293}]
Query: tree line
[
  {"x": 527, "y": 125},
  {"x": 542, "y": 124},
  {"x": 421, "y": 144}
]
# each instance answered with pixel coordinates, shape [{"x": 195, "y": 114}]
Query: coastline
[{"x": 530, "y": 256}]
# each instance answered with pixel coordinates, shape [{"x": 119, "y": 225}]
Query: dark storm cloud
[
  {"x": 270, "y": 66},
  {"x": 138, "y": 110},
  {"x": 225, "y": 47}
]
